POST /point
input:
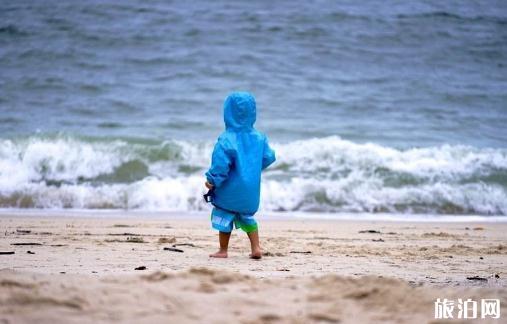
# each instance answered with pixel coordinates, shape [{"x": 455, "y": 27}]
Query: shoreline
[{"x": 310, "y": 216}]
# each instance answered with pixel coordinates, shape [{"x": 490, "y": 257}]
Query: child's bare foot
[
  {"x": 254, "y": 244},
  {"x": 219, "y": 254},
  {"x": 256, "y": 254}
]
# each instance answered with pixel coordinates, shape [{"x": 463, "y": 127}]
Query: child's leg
[
  {"x": 255, "y": 245},
  {"x": 223, "y": 222},
  {"x": 248, "y": 224},
  {"x": 223, "y": 238}
]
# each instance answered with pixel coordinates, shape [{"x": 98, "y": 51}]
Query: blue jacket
[{"x": 239, "y": 156}]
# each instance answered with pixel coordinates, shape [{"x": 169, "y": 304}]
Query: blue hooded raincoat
[{"x": 239, "y": 156}]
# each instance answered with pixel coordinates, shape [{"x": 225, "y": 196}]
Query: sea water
[{"x": 372, "y": 107}]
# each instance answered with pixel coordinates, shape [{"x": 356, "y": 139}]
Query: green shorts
[{"x": 223, "y": 220}]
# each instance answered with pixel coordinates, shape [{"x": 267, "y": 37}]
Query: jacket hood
[{"x": 240, "y": 111}]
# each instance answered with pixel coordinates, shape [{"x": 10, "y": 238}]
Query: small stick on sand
[
  {"x": 173, "y": 249},
  {"x": 26, "y": 243},
  {"x": 370, "y": 231}
]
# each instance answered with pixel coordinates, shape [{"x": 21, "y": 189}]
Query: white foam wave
[
  {"x": 323, "y": 174},
  {"x": 358, "y": 195},
  {"x": 58, "y": 159},
  {"x": 179, "y": 194},
  {"x": 185, "y": 194},
  {"x": 333, "y": 155}
]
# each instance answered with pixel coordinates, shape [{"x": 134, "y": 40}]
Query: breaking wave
[{"x": 318, "y": 175}]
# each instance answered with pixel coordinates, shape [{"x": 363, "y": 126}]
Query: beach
[
  {"x": 387, "y": 201},
  {"x": 81, "y": 268}
]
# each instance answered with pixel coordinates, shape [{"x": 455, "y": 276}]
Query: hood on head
[{"x": 239, "y": 111}]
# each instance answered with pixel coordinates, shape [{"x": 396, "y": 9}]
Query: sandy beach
[{"x": 82, "y": 269}]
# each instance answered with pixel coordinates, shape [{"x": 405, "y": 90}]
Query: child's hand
[{"x": 208, "y": 185}]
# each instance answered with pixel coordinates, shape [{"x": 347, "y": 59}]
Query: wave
[
  {"x": 11, "y": 30},
  {"x": 319, "y": 175},
  {"x": 453, "y": 16}
]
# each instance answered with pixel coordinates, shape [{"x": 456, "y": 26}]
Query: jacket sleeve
[
  {"x": 268, "y": 156},
  {"x": 221, "y": 162}
]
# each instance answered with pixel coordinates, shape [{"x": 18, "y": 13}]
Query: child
[{"x": 241, "y": 152}]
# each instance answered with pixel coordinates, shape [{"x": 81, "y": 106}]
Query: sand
[{"x": 313, "y": 271}]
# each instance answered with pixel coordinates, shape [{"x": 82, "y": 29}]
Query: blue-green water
[{"x": 372, "y": 106}]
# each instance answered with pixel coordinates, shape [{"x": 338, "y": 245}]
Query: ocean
[{"x": 374, "y": 107}]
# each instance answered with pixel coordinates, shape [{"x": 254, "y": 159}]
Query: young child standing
[{"x": 239, "y": 156}]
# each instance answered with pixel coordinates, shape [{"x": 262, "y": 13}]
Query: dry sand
[{"x": 313, "y": 271}]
